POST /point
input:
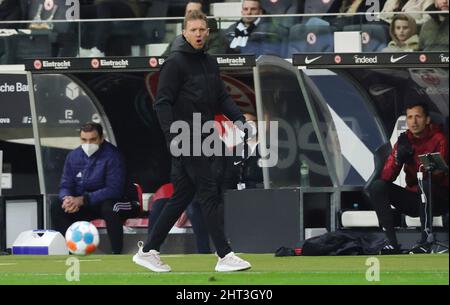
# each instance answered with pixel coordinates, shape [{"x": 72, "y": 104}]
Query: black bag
[{"x": 343, "y": 243}]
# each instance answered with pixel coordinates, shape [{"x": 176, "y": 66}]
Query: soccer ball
[{"x": 82, "y": 238}]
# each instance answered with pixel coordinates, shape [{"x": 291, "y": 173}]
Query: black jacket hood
[
  {"x": 180, "y": 44},
  {"x": 435, "y": 17}
]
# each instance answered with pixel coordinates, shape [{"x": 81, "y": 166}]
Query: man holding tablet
[{"x": 422, "y": 137}]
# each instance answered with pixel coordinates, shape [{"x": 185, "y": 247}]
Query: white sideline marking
[
  {"x": 7, "y": 264},
  {"x": 81, "y": 260},
  {"x": 213, "y": 272}
]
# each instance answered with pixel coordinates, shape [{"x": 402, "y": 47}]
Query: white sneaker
[
  {"x": 231, "y": 262},
  {"x": 150, "y": 260}
]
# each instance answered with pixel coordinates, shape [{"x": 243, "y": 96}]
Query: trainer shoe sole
[
  {"x": 231, "y": 269},
  {"x": 141, "y": 262}
]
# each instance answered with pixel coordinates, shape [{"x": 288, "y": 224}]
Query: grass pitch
[{"x": 195, "y": 269}]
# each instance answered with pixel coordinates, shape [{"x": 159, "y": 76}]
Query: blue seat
[
  {"x": 310, "y": 38},
  {"x": 375, "y": 36}
]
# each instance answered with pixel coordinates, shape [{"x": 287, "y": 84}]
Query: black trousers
[
  {"x": 195, "y": 215},
  {"x": 61, "y": 220},
  {"x": 192, "y": 176},
  {"x": 383, "y": 194}
]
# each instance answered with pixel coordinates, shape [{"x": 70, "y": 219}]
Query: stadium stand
[
  {"x": 64, "y": 35},
  {"x": 375, "y": 36},
  {"x": 317, "y": 7},
  {"x": 310, "y": 38},
  {"x": 281, "y": 7}
]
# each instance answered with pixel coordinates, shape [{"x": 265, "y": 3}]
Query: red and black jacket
[{"x": 432, "y": 140}]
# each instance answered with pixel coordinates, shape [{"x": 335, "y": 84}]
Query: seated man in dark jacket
[
  {"x": 92, "y": 183},
  {"x": 9, "y": 10},
  {"x": 254, "y": 35}
]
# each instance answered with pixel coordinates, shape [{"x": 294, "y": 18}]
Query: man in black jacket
[
  {"x": 9, "y": 10},
  {"x": 189, "y": 87},
  {"x": 254, "y": 35}
]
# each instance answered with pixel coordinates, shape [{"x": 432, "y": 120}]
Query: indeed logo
[
  {"x": 444, "y": 59},
  {"x": 365, "y": 60},
  {"x": 231, "y": 61},
  {"x": 57, "y": 64}
]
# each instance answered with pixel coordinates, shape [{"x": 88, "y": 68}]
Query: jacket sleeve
[
  {"x": 67, "y": 185},
  {"x": 114, "y": 182},
  {"x": 227, "y": 105},
  {"x": 391, "y": 170},
  {"x": 168, "y": 90}
]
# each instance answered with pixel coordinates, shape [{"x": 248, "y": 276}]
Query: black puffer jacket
[
  {"x": 190, "y": 83},
  {"x": 10, "y": 10}
]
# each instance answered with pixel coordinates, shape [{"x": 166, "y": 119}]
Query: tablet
[{"x": 434, "y": 160}]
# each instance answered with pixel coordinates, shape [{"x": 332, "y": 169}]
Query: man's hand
[
  {"x": 405, "y": 151},
  {"x": 250, "y": 130},
  {"x": 72, "y": 204}
]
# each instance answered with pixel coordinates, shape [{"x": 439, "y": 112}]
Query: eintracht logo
[
  {"x": 37, "y": 64},
  {"x": 153, "y": 62},
  {"x": 48, "y": 4},
  {"x": 95, "y": 63},
  {"x": 311, "y": 38},
  {"x": 337, "y": 59},
  {"x": 423, "y": 58}
]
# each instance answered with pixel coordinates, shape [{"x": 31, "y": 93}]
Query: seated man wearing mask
[{"x": 92, "y": 184}]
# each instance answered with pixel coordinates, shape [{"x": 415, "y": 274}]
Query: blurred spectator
[
  {"x": 62, "y": 35},
  {"x": 254, "y": 35},
  {"x": 353, "y": 7},
  {"x": 403, "y": 31},
  {"x": 434, "y": 32},
  {"x": 96, "y": 44},
  {"x": 217, "y": 43},
  {"x": 284, "y": 7},
  {"x": 406, "y": 6},
  {"x": 9, "y": 10}
]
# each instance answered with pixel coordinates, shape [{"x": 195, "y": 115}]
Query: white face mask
[{"x": 89, "y": 149}]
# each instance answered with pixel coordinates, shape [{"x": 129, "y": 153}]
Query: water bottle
[{"x": 304, "y": 174}]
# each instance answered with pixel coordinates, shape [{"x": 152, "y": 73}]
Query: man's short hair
[
  {"x": 197, "y": 1},
  {"x": 425, "y": 107},
  {"x": 91, "y": 126},
  {"x": 195, "y": 15},
  {"x": 259, "y": 2}
]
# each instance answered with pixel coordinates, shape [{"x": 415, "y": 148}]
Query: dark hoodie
[
  {"x": 432, "y": 140},
  {"x": 10, "y": 10},
  {"x": 190, "y": 83},
  {"x": 434, "y": 32}
]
